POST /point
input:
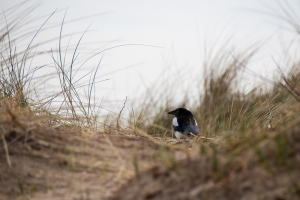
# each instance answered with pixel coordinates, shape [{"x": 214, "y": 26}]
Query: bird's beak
[{"x": 172, "y": 112}]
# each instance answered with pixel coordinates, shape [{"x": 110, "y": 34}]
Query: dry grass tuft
[{"x": 265, "y": 167}]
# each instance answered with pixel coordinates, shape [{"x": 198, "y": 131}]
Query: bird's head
[{"x": 181, "y": 112}]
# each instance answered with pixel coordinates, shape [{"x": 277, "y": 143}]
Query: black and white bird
[{"x": 184, "y": 123}]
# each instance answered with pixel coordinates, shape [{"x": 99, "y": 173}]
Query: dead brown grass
[
  {"x": 254, "y": 169},
  {"x": 42, "y": 162}
]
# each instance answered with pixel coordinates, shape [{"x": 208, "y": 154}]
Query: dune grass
[{"x": 233, "y": 122}]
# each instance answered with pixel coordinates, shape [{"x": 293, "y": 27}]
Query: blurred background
[{"x": 150, "y": 51}]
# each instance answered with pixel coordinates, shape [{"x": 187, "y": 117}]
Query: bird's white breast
[
  {"x": 175, "y": 122},
  {"x": 178, "y": 134}
]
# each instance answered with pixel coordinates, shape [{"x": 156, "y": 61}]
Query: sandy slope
[
  {"x": 39, "y": 162},
  {"x": 65, "y": 164}
]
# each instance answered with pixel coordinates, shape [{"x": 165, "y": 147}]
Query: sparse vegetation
[{"x": 57, "y": 147}]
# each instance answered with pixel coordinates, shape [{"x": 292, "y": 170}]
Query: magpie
[{"x": 184, "y": 123}]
